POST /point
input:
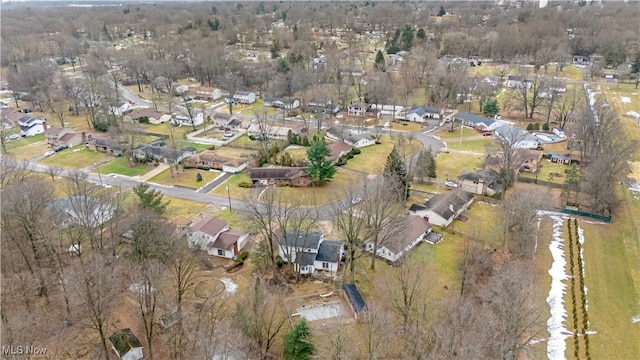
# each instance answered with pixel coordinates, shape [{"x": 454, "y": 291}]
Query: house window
[
  {"x": 325, "y": 265},
  {"x": 220, "y": 252}
]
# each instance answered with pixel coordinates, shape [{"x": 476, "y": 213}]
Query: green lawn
[
  {"x": 121, "y": 165},
  {"x": 546, "y": 170},
  {"x": 74, "y": 159},
  {"x": 185, "y": 177},
  {"x": 323, "y": 194},
  {"x": 181, "y": 207},
  {"x": 373, "y": 158},
  {"x": 481, "y": 145},
  {"x": 14, "y": 144},
  {"x": 256, "y": 107},
  {"x": 235, "y": 219},
  {"x": 197, "y": 146},
  {"x": 167, "y": 129},
  {"x": 235, "y": 191},
  {"x": 452, "y": 164},
  {"x": 446, "y": 135},
  {"x": 406, "y": 126}
]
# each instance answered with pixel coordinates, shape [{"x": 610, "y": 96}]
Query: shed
[
  {"x": 126, "y": 345},
  {"x": 355, "y": 298}
]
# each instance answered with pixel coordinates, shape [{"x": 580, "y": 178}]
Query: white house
[
  {"x": 442, "y": 209},
  {"x": 215, "y": 237},
  {"x": 120, "y": 108},
  {"x": 310, "y": 252},
  {"x": 422, "y": 113},
  {"x": 516, "y": 81},
  {"x": 152, "y": 116},
  {"x": 126, "y": 345},
  {"x": 80, "y": 210},
  {"x": 360, "y": 140},
  {"x": 244, "y": 97},
  {"x": 182, "y": 118},
  {"x": 357, "y": 109},
  {"x": 409, "y": 231},
  {"x": 280, "y": 103},
  {"x": 521, "y": 139},
  {"x": 205, "y": 93},
  {"x": 31, "y": 125},
  {"x": 259, "y": 130}
]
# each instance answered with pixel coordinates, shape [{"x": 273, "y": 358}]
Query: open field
[
  {"x": 184, "y": 177},
  {"x": 450, "y": 165},
  {"x": 235, "y": 191},
  {"x": 29, "y": 151},
  {"x": 373, "y": 158},
  {"x": 74, "y": 158},
  {"x": 121, "y": 165}
]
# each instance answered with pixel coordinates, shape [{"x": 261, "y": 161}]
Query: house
[
  {"x": 337, "y": 133},
  {"x": 516, "y": 81},
  {"x": 243, "y": 97},
  {"x": 31, "y": 125},
  {"x": 227, "y": 121},
  {"x": 126, "y": 345},
  {"x": 205, "y": 93},
  {"x": 491, "y": 80},
  {"x": 182, "y": 117},
  {"x": 215, "y": 237},
  {"x": 119, "y": 108},
  {"x": 338, "y": 150},
  {"x": 146, "y": 115},
  {"x": 358, "y": 305},
  {"x": 360, "y": 140},
  {"x": 10, "y": 117},
  {"x": 422, "y": 113},
  {"x": 442, "y": 209},
  {"x": 409, "y": 229},
  {"x": 581, "y": 60},
  {"x": 281, "y": 103},
  {"x": 105, "y": 145},
  {"x": 208, "y": 159},
  {"x": 80, "y": 210},
  {"x": 260, "y": 130},
  {"x": 323, "y": 107},
  {"x": 357, "y": 109},
  {"x": 293, "y": 176},
  {"x": 477, "y": 122},
  {"x": 530, "y": 160},
  {"x": 559, "y": 159},
  {"x": 309, "y": 251},
  {"x": 57, "y": 136},
  {"x": 352, "y": 72},
  {"x": 158, "y": 151},
  {"x": 481, "y": 182},
  {"x": 521, "y": 139}
]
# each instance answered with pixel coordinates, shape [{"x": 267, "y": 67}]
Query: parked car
[
  {"x": 60, "y": 148},
  {"x": 227, "y": 134},
  {"x": 486, "y": 133},
  {"x": 49, "y": 153},
  {"x": 14, "y": 136},
  {"x": 450, "y": 183}
]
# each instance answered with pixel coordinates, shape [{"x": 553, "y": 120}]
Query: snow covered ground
[{"x": 229, "y": 286}]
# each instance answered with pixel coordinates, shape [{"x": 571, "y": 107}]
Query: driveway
[{"x": 133, "y": 98}]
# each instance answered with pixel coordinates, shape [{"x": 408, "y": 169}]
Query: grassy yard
[
  {"x": 255, "y": 108},
  {"x": 181, "y": 207},
  {"x": 186, "y": 177},
  {"x": 466, "y": 132},
  {"x": 480, "y": 145},
  {"x": 199, "y": 147},
  {"x": 74, "y": 159},
  {"x": 235, "y": 191},
  {"x": 234, "y": 151},
  {"x": 235, "y": 219},
  {"x": 179, "y": 132},
  {"x": 481, "y": 224},
  {"x": 373, "y": 158},
  {"x": 14, "y": 144},
  {"x": 323, "y": 194},
  {"x": 406, "y": 126},
  {"x": 546, "y": 170},
  {"x": 121, "y": 165},
  {"x": 452, "y": 164}
]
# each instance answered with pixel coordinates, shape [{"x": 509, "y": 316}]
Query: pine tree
[
  {"x": 396, "y": 171},
  {"x": 432, "y": 166},
  {"x": 635, "y": 67},
  {"x": 421, "y": 169},
  {"x": 150, "y": 199},
  {"x": 198, "y": 177},
  {"x": 442, "y": 11},
  {"x": 297, "y": 342},
  {"x": 379, "y": 63},
  {"x": 320, "y": 170},
  {"x": 491, "y": 107},
  {"x": 421, "y": 34}
]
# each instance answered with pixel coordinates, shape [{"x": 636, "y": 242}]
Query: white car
[
  {"x": 14, "y": 136},
  {"x": 49, "y": 153},
  {"x": 356, "y": 201},
  {"x": 450, "y": 183},
  {"x": 227, "y": 134}
]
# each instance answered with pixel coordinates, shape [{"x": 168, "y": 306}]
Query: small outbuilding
[{"x": 126, "y": 345}]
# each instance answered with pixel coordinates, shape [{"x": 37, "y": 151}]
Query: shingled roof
[
  {"x": 123, "y": 341},
  {"x": 407, "y": 228},
  {"x": 442, "y": 204},
  {"x": 209, "y": 225},
  {"x": 281, "y": 173}
]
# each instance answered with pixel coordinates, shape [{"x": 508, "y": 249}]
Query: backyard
[
  {"x": 373, "y": 158},
  {"x": 451, "y": 164},
  {"x": 185, "y": 177}
]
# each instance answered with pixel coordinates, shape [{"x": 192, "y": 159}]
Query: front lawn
[
  {"x": 235, "y": 219},
  {"x": 549, "y": 172},
  {"x": 322, "y": 194},
  {"x": 14, "y": 144},
  {"x": 455, "y": 134},
  {"x": 122, "y": 166},
  {"x": 406, "y": 126},
  {"x": 74, "y": 159},
  {"x": 479, "y": 145},
  {"x": 235, "y": 191},
  {"x": 181, "y": 207},
  {"x": 185, "y": 177}
]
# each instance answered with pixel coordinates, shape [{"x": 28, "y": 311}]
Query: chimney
[{"x": 451, "y": 208}]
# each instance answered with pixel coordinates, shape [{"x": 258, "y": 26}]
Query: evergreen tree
[
  {"x": 491, "y": 107},
  {"x": 379, "y": 63},
  {"x": 396, "y": 171},
  {"x": 150, "y": 199},
  {"x": 407, "y": 37},
  {"x": 297, "y": 342},
  {"x": 421, "y": 169},
  {"x": 320, "y": 170},
  {"x": 198, "y": 177},
  {"x": 442, "y": 11},
  {"x": 421, "y": 34},
  {"x": 635, "y": 67},
  {"x": 432, "y": 166}
]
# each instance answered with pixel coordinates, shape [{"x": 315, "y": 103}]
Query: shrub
[
  {"x": 198, "y": 177},
  {"x": 530, "y": 127},
  {"x": 279, "y": 261},
  {"x": 245, "y": 184},
  {"x": 143, "y": 120},
  {"x": 242, "y": 256},
  {"x": 356, "y": 151},
  {"x": 282, "y": 184},
  {"x": 536, "y": 126},
  {"x": 102, "y": 126},
  {"x": 545, "y": 127}
]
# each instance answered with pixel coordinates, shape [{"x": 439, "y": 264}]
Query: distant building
[
  {"x": 215, "y": 237},
  {"x": 31, "y": 125},
  {"x": 126, "y": 345}
]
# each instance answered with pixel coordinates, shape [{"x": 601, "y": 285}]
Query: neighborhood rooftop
[{"x": 445, "y": 205}]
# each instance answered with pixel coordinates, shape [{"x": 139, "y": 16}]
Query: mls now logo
[{"x": 23, "y": 350}]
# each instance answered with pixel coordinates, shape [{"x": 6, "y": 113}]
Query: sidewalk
[{"x": 162, "y": 167}]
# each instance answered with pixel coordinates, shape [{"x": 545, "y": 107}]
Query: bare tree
[
  {"x": 147, "y": 293},
  {"x": 382, "y": 211},
  {"x": 377, "y": 323},
  {"x": 183, "y": 273},
  {"x": 566, "y": 108},
  {"x": 518, "y": 220}
]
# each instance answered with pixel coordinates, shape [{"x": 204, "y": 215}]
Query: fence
[
  {"x": 604, "y": 218},
  {"x": 539, "y": 182}
]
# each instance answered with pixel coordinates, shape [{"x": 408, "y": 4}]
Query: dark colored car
[
  {"x": 486, "y": 133},
  {"x": 60, "y": 148}
]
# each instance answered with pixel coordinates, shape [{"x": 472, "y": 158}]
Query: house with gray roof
[
  {"x": 423, "y": 113},
  {"x": 80, "y": 210},
  {"x": 126, "y": 345},
  {"x": 31, "y": 125},
  {"x": 481, "y": 182},
  {"x": 408, "y": 230},
  {"x": 215, "y": 237},
  {"x": 159, "y": 151},
  {"x": 442, "y": 209},
  {"x": 293, "y": 176},
  {"x": 521, "y": 139},
  {"x": 477, "y": 122},
  {"x": 310, "y": 252}
]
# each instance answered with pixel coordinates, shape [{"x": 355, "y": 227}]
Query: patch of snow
[
  {"x": 229, "y": 286},
  {"x": 556, "y": 344},
  {"x": 635, "y": 187},
  {"x": 625, "y": 100},
  {"x": 635, "y": 319},
  {"x": 139, "y": 288}
]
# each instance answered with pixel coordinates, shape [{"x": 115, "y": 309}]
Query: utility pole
[{"x": 229, "y": 197}]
